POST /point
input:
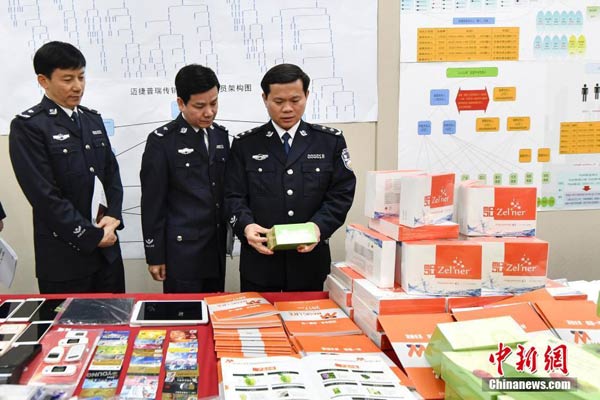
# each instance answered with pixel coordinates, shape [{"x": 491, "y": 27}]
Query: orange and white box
[
  {"x": 395, "y": 300},
  {"x": 379, "y": 338},
  {"x": 363, "y": 312},
  {"x": 426, "y": 199},
  {"x": 441, "y": 268},
  {"x": 338, "y": 293},
  {"x": 383, "y": 192},
  {"x": 371, "y": 254},
  {"x": 513, "y": 265},
  {"x": 496, "y": 210},
  {"x": 345, "y": 274},
  {"x": 390, "y": 227}
]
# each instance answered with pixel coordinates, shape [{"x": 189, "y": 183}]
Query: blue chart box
[
  {"x": 439, "y": 97},
  {"x": 109, "y": 124},
  {"x": 449, "y": 127},
  {"x": 174, "y": 110},
  {"x": 424, "y": 128}
]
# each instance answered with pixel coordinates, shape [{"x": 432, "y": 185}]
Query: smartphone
[
  {"x": 26, "y": 310},
  {"x": 8, "y": 334},
  {"x": 8, "y": 307},
  {"x": 47, "y": 311},
  {"x": 34, "y": 333}
]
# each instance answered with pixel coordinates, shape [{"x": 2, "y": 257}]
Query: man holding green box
[{"x": 287, "y": 172}]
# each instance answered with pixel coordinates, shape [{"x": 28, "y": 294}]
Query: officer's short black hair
[
  {"x": 284, "y": 73},
  {"x": 193, "y": 79},
  {"x": 53, "y": 55}
]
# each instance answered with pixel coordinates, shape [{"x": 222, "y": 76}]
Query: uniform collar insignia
[
  {"x": 183, "y": 130},
  {"x": 303, "y": 132},
  {"x": 269, "y": 133},
  {"x": 53, "y": 111}
]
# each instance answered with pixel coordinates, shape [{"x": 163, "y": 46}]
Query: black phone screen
[
  {"x": 27, "y": 309},
  {"x": 34, "y": 332},
  {"x": 170, "y": 310},
  {"x": 8, "y": 307}
]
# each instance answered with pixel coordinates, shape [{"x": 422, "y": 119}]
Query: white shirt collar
[{"x": 291, "y": 131}]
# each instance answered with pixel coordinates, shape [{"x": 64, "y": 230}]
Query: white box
[
  {"x": 441, "y": 268},
  {"x": 364, "y": 313},
  {"x": 390, "y": 227},
  {"x": 371, "y": 254},
  {"x": 395, "y": 300},
  {"x": 345, "y": 274},
  {"x": 426, "y": 199},
  {"x": 496, "y": 210},
  {"x": 513, "y": 265},
  {"x": 383, "y": 192},
  {"x": 338, "y": 293}
]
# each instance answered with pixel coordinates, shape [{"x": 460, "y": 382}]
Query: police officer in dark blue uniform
[
  {"x": 287, "y": 171},
  {"x": 63, "y": 161},
  {"x": 182, "y": 175}
]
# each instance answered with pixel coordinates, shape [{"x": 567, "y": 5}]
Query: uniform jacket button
[
  {"x": 179, "y": 238},
  {"x": 290, "y": 171},
  {"x": 291, "y": 213},
  {"x": 88, "y": 147},
  {"x": 290, "y": 192},
  {"x": 92, "y": 169},
  {"x": 318, "y": 169}
]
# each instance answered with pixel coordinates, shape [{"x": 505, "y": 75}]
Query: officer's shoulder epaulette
[
  {"x": 221, "y": 127},
  {"x": 88, "y": 109},
  {"x": 247, "y": 134},
  {"x": 35, "y": 110},
  {"x": 326, "y": 129},
  {"x": 165, "y": 129}
]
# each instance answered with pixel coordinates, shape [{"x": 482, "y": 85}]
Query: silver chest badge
[
  {"x": 185, "y": 151},
  {"x": 61, "y": 136},
  {"x": 260, "y": 157}
]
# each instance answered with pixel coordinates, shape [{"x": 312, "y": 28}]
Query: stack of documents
[
  {"x": 246, "y": 325},
  {"x": 316, "y": 317}
]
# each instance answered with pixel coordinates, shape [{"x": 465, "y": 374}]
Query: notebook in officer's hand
[{"x": 99, "y": 202}]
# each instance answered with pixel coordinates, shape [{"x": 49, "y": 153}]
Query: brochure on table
[{"x": 343, "y": 376}]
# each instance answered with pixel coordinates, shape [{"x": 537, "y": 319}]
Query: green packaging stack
[
  {"x": 290, "y": 236},
  {"x": 479, "y": 334}
]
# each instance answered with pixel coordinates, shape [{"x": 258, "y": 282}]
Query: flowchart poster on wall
[
  {"x": 135, "y": 48},
  {"x": 506, "y": 92}
]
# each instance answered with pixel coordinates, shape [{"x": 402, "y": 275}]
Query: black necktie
[
  {"x": 75, "y": 118},
  {"x": 286, "y": 142}
]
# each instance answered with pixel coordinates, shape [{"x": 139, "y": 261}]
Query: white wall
[{"x": 573, "y": 235}]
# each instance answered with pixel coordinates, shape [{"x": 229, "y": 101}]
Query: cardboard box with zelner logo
[
  {"x": 496, "y": 210},
  {"x": 513, "y": 265},
  {"x": 441, "y": 267},
  {"x": 426, "y": 199}
]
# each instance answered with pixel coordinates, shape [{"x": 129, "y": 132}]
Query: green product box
[
  {"x": 478, "y": 334},
  {"x": 462, "y": 372},
  {"x": 290, "y": 236}
]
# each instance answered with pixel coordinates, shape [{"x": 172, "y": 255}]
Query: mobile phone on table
[
  {"x": 26, "y": 310},
  {"x": 8, "y": 308}
]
